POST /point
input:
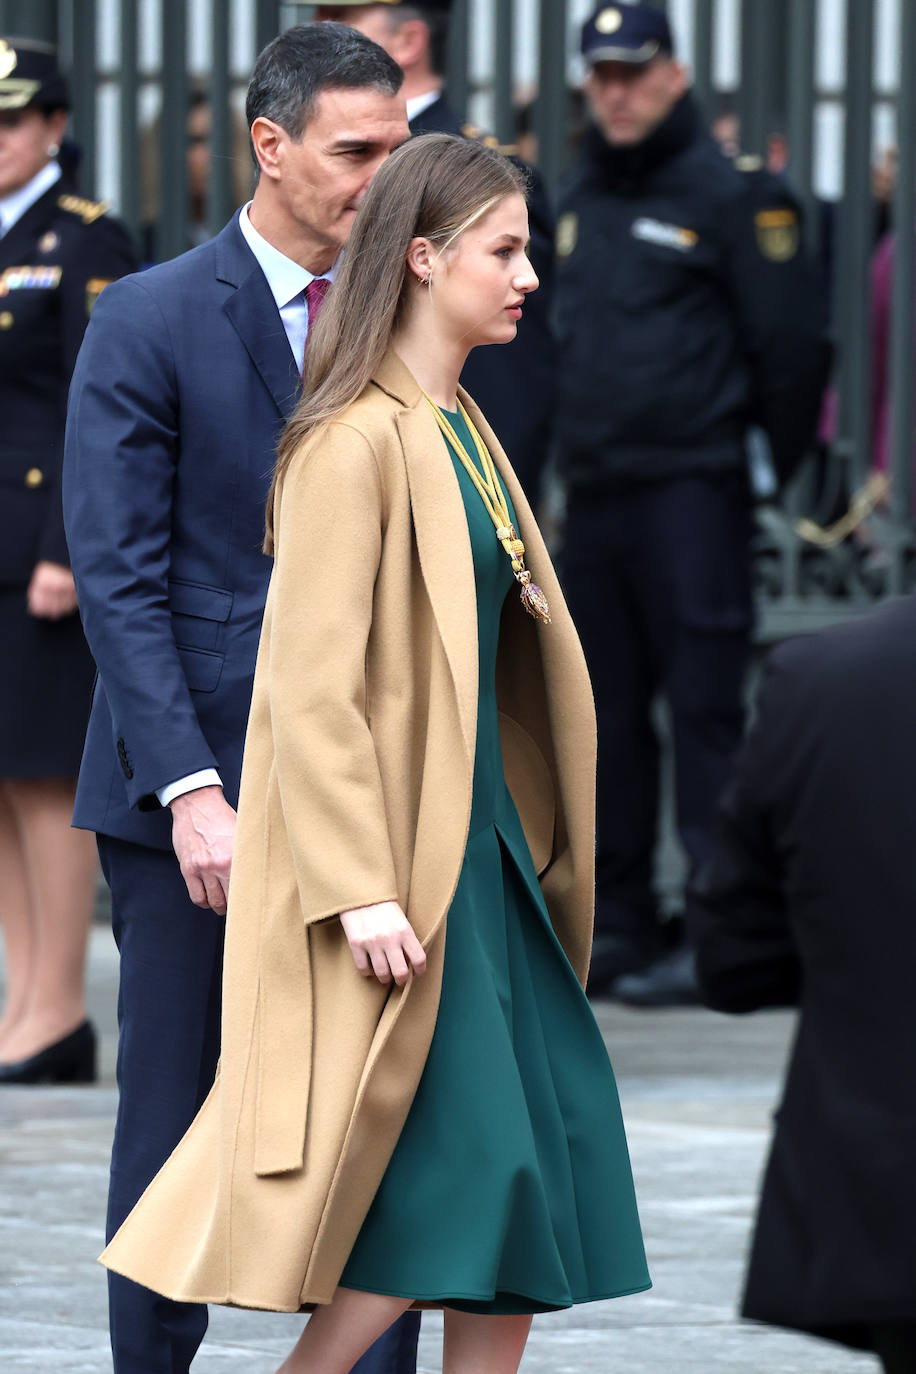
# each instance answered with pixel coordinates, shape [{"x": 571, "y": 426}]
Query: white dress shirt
[
  {"x": 14, "y": 206},
  {"x": 418, "y": 103},
  {"x": 287, "y": 282}
]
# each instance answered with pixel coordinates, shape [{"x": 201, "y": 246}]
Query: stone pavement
[{"x": 697, "y": 1092}]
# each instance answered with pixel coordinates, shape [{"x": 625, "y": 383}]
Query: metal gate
[{"x": 826, "y": 73}]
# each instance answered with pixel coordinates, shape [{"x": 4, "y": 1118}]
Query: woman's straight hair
[{"x": 432, "y": 187}]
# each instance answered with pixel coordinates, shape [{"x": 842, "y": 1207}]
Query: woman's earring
[
  {"x": 53, "y": 149},
  {"x": 425, "y": 281}
]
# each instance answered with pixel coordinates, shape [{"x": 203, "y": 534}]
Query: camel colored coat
[{"x": 356, "y": 788}]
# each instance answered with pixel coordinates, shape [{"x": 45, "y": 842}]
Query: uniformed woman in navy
[{"x": 57, "y": 252}]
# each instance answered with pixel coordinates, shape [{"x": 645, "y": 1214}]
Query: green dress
[{"x": 509, "y": 1190}]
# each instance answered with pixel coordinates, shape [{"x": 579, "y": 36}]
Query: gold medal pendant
[{"x": 533, "y": 599}]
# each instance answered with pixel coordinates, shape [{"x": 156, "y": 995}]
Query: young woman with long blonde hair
[{"x": 415, "y": 1105}]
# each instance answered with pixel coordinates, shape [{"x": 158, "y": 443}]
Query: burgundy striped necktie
[{"x": 315, "y": 293}]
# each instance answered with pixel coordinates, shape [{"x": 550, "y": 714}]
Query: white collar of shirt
[
  {"x": 286, "y": 278},
  {"x": 418, "y": 103},
  {"x": 14, "y": 206}
]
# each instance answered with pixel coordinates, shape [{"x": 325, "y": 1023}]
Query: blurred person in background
[
  {"x": 198, "y": 160},
  {"x": 807, "y": 900},
  {"x": 687, "y": 312},
  {"x": 516, "y": 387},
  {"x": 57, "y": 253}
]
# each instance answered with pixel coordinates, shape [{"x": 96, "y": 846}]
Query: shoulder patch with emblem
[
  {"x": 777, "y": 234},
  {"x": 88, "y": 210}
]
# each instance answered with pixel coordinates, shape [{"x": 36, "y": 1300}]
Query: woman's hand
[
  {"x": 383, "y": 942},
  {"x": 52, "y": 592}
]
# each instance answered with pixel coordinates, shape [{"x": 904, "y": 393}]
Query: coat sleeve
[
  {"x": 98, "y": 254},
  {"x": 329, "y": 526},
  {"x": 736, "y": 909},
  {"x": 781, "y": 305},
  {"x": 121, "y": 456}
]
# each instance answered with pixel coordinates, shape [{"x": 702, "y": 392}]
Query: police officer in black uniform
[
  {"x": 513, "y": 385},
  {"x": 687, "y": 312},
  {"x": 57, "y": 252}
]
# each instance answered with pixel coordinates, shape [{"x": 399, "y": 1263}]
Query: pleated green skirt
[{"x": 509, "y": 1190}]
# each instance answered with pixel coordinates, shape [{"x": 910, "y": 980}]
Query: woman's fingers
[
  {"x": 414, "y": 951},
  {"x": 383, "y": 942}
]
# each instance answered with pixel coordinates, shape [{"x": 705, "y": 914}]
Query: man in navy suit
[{"x": 182, "y": 387}]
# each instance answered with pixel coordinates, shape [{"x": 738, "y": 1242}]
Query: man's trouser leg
[
  {"x": 396, "y": 1351},
  {"x": 702, "y": 617},
  {"x": 168, "y": 1046},
  {"x": 598, "y": 567}
]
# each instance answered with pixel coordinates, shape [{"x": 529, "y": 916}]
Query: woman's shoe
[{"x": 70, "y": 1060}]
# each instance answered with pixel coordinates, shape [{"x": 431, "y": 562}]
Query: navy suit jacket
[{"x": 179, "y": 395}]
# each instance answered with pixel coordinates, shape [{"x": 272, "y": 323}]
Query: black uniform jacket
[
  {"x": 54, "y": 261},
  {"x": 810, "y": 897},
  {"x": 514, "y": 383},
  {"x": 687, "y": 310}
]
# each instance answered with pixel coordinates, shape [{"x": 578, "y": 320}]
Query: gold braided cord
[{"x": 487, "y": 486}]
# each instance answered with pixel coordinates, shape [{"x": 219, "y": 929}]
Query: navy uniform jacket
[
  {"x": 54, "y": 262},
  {"x": 179, "y": 395},
  {"x": 687, "y": 311},
  {"x": 514, "y": 384},
  {"x": 808, "y": 899}
]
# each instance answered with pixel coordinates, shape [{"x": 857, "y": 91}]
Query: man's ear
[
  {"x": 421, "y": 258},
  {"x": 266, "y": 137},
  {"x": 409, "y": 44}
]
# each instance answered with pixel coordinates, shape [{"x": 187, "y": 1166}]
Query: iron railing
[{"x": 133, "y": 59}]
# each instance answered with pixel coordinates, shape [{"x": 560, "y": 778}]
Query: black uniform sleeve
[
  {"x": 736, "y": 909},
  {"x": 780, "y": 300},
  {"x": 96, "y": 254}
]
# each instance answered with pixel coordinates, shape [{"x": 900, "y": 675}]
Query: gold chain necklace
[{"x": 488, "y": 488}]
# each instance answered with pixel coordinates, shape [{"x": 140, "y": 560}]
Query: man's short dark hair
[
  {"x": 295, "y": 68},
  {"x": 436, "y": 21}
]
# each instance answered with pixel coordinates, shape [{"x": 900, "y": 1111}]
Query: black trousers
[
  {"x": 895, "y": 1346},
  {"x": 168, "y": 1045},
  {"x": 658, "y": 581}
]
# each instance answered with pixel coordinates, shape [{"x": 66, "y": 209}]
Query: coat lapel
[
  {"x": 443, "y": 541},
  {"x": 256, "y": 319}
]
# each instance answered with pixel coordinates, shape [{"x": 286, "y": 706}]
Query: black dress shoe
[
  {"x": 70, "y": 1060},
  {"x": 669, "y": 982},
  {"x": 614, "y": 955}
]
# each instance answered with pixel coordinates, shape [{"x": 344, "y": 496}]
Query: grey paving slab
[{"x": 697, "y": 1092}]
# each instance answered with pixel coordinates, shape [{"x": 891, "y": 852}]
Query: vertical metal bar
[
  {"x": 800, "y": 111},
  {"x": 458, "y": 58},
  {"x": 702, "y": 54},
  {"x": 172, "y": 230},
  {"x": 902, "y": 305},
  {"x": 855, "y": 237},
  {"x": 757, "y": 70},
  {"x": 550, "y": 108},
  {"x": 266, "y": 23},
  {"x": 31, "y": 19},
  {"x": 130, "y": 143},
  {"x": 503, "y": 46},
  {"x": 83, "y": 93},
  {"x": 219, "y": 189}
]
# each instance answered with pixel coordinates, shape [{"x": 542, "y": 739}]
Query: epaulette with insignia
[
  {"x": 478, "y": 136},
  {"x": 88, "y": 210},
  {"x": 748, "y": 162}
]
